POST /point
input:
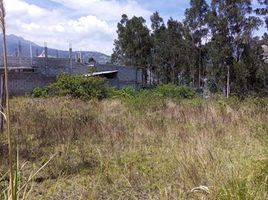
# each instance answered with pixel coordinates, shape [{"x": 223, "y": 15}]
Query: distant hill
[{"x": 13, "y": 43}]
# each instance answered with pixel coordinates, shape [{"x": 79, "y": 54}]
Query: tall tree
[
  {"x": 159, "y": 46},
  {"x": 232, "y": 24},
  {"x": 119, "y": 43},
  {"x": 175, "y": 53},
  {"x": 196, "y": 21},
  {"x": 133, "y": 45}
]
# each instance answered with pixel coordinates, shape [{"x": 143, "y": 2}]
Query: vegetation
[
  {"x": 87, "y": 88},
  {"x": 82, "y": 140},
  {"x": 141, "y": 146},
  {"x": 214, "y": 43},
  {"x": 79, "y": 86}
]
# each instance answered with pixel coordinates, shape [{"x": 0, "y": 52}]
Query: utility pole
[
  {"x": 70, "y": 58},
  {"x": 31, "y": 53},
  {"x": 46, "y": 53},
  {"x": 19, "y": 53}
]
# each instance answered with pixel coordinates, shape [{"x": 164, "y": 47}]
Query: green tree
[
  {"x": 119, "y": 44},
  {"x": 195, "y": 19},
  {"x": 133, "y": 45},
  {"x": 159, "y": 46},
  {"x": 231, "y": 25},
  {"x": 174, "y": 42}
]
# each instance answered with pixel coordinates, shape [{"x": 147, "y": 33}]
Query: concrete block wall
[{"x": 23, "y": 83}]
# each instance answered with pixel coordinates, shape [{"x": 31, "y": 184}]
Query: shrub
[
  {"x": 79, "y": 87},
  {"x": 40, "y": 92},
  {"x": 127, "y": 92},
  {"x": 174, "y": 91}
]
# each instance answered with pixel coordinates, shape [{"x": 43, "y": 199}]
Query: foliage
[
  {"x": 173, "y": 91},
  {"x": 133, "y": 44},
  {"x": 214, "y": 41},
  {"x": 82, "y": 87},
  {"x": 40, "y": 92},
  {"x": 128, "y": 92}
]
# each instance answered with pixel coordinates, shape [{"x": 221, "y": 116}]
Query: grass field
[{"x": 141, "y": 148}]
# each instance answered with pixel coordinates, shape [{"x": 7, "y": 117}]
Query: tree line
[{"x": 214, "y": 46}]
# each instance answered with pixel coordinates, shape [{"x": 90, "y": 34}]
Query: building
[{"x": 27, "y": 73}]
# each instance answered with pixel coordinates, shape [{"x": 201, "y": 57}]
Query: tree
[
  {"x": 118, "y": 54},
  {"x": 133, "y": 45},
  {"x": 174, "y": 42},
  {"x": 159, "y": 46},
  {"x": 231, "y": 25},
  {"x": 214, "y": 42},
  {"x": 263, "y": 11},
  {"x": 196, "y": 21}
]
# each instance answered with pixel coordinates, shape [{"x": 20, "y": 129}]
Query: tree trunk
[
  {"x": 228, "y": 82},
  {"x": 173, "y": 73},
  {"x": 199, "y": 68},
  {"x": 144, "y": 77}
]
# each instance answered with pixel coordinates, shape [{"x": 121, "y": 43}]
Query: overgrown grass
[{"x": 142, "y": 146}]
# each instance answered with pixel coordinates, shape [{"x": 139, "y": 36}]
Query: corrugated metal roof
[{"x": 102, "y": 73}]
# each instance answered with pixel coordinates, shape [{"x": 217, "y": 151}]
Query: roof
[
  {"x": 102, "y": 73},
  {"x": 15, "y": 68},
  {"x": 116, "y": 66}
]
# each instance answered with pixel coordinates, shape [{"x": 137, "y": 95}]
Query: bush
[
  {"x": 40, "y": 92},
  {"x": 174, "y": 91},
  {"x": 82, "y": 87},
  {"x": 127, "y": 92},
  {"x": 79, "y": 87}
]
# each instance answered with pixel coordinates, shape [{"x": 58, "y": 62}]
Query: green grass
[{"x": 142, "y": 146}]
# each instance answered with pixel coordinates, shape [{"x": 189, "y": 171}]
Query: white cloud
[
  {"x": 94, "y": 28},
  {"x": 108, "y": 10}
]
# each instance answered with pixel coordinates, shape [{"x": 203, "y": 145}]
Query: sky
[
  {"x": 86, "y": 24},
  {"x": 89, "y": 25}
]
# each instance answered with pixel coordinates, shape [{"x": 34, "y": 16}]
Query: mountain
[{"x": 13, "y": 44}]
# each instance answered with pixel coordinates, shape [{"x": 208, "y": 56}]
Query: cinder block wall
[{"x": 23, "y": 83}]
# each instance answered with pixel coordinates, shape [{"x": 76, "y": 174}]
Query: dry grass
[{"x": 119, "y": 149}]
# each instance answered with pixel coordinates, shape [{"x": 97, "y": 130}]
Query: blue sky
[{"x": 87, "y": 24}]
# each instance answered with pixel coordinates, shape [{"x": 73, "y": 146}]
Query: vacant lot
[{"x": 141, "y": 148}]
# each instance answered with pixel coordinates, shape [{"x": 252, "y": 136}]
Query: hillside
[{"x": 13, "y": 41}]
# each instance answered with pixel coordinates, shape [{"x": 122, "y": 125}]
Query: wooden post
[
  {"x": 11, "y": 194},
  {"x": 2, "y": 102}
]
